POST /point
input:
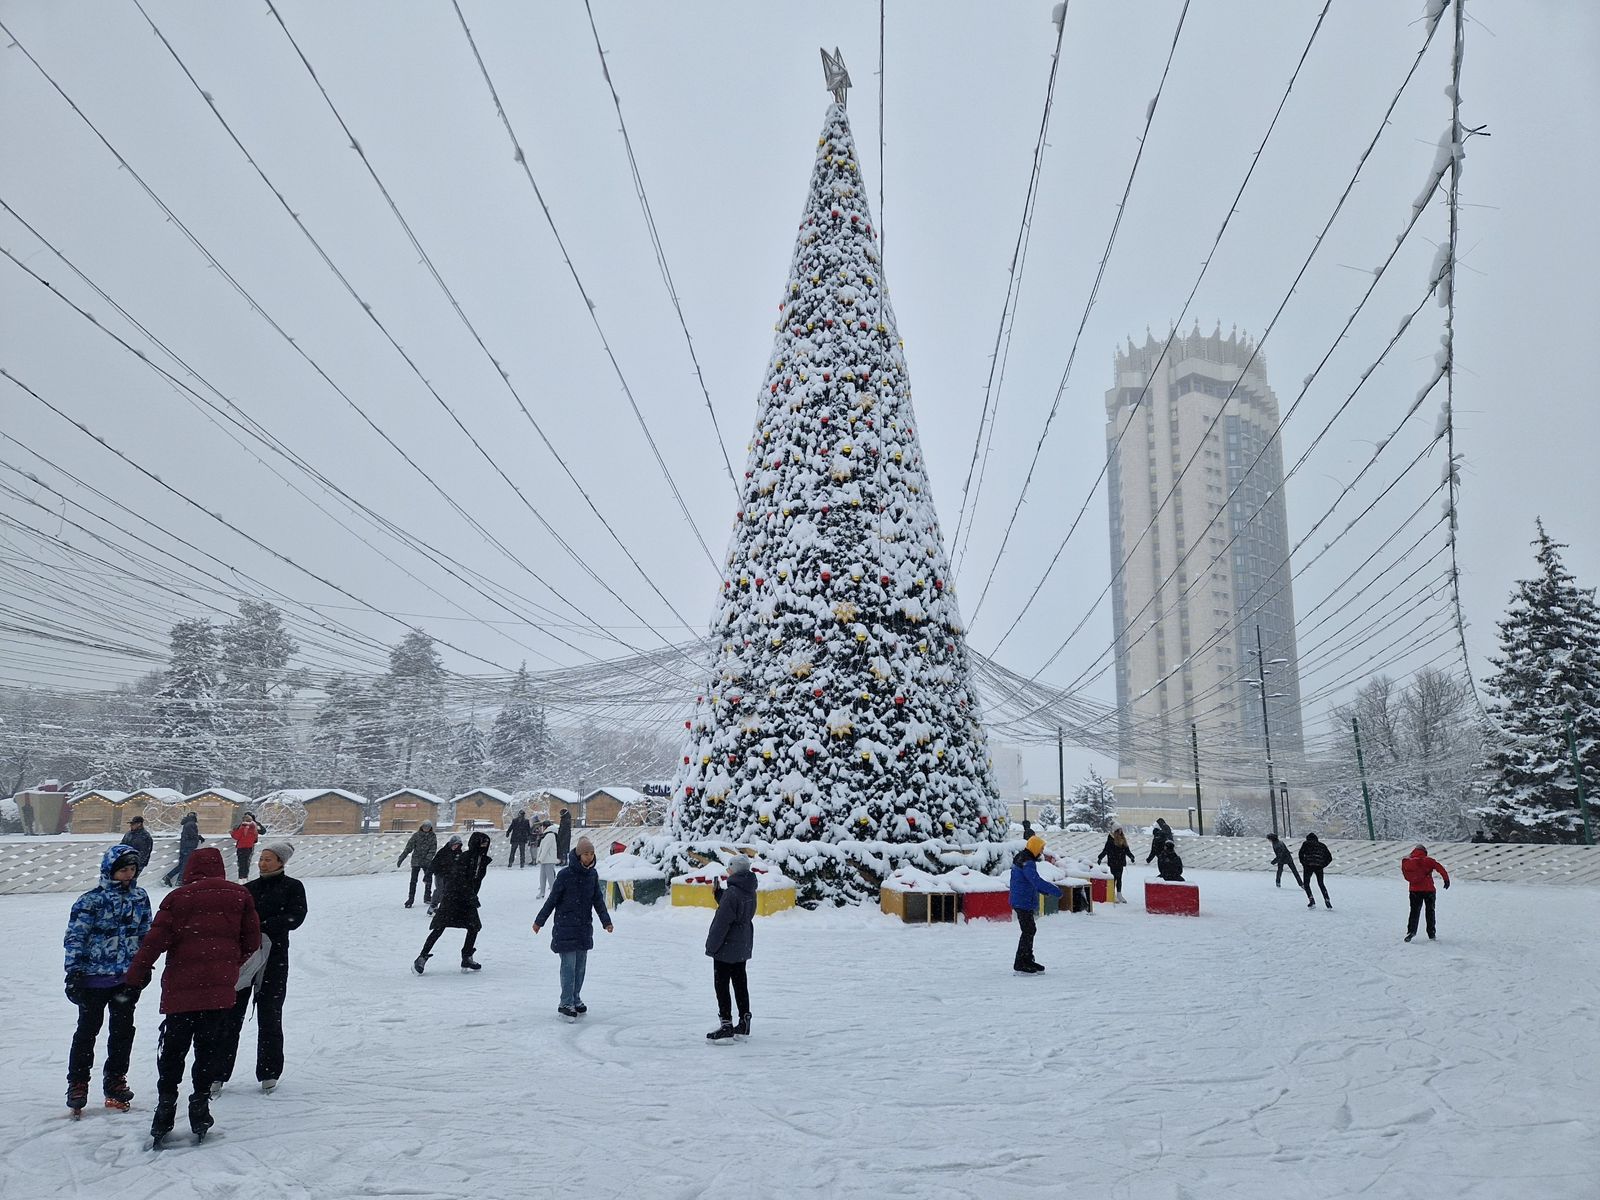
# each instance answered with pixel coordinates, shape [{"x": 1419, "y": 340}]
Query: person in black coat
[
  {"x": 1315, "y": 858},
  {"x": 519, "y": 834},
  {"x": 1281, "y": 858},
  {"x": 576, "y": 899},
  {"x": 564, "y": 836},
  {"x": 1160, "y": 834},
  {"x": 281, "y": 906},
  {"x": 1116, "y": 855},
  {"x": 1168, "y": 865},
  {"x": 462, "y": 872},
  {"x": 189, "y": 840},
  {"x": 730, "y": 942},
  {"x": 138, "y": 837}
]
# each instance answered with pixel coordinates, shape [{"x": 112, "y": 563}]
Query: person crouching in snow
[
  {"x": 462, "y": 873},
  {"x": 208, "y": 929},
  {"x": 103, "y": 935},
  {"x": 1168, "y": 865},
  {"x": 729, "y": 943},
  {"x": 1026, "y": 887},
  {"x": 1418, "y": 869},
  {"x": 573, "y": 897}
]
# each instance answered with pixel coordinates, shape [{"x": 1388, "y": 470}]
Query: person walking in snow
[
  {"x": 458, "y": 903},
  {"x": 1026, "y": 888},
  {"x": 547, "y": 857},
  {"x": 519, "y": 834},
  {"x": 103, "y": 935},
  {"x": 576, "y": 899},
  {"x": 1116, "y": 855},
  {"x": 281, "y": 906},
  {"x": 1315, "y": 858},
  {"x": 1419, "y": 869},
  {"x": 1281, "y": 858},
  {"x": 189, "y": 840},
  {"x": 1168, "y": 865},
  {"x": 139, "y": 838},
  {"x": 421, "y": 846},
  {"x": 730, "y": 942},
  {"x": 1162, "y": 832},
  {"x": 245, "y": 835},
  {"x": 564, "y": 836},
  {"x": 208, "y": 929}
]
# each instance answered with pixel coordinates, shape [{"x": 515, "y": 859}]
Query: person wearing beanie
[
  {"x": 103, "y": 934},
  {"x": 1159, "y": 833},
  {"x": 1419, "y": 869},
  {"x": 1281, "y": 858},
  {"x": 730, "y": 942},
  {"x": 189, "y": 840},
  {"x": 576, "y": 899},
  {"x": 1315, "y": 858},
  {"x": 1116, "y": 855},
  {"x": 281, "y": 906},
  {"x": 245, "y": 835},
  {"x": 1026, "y": 888},
  {"x": 461, "y": 875},
  {"x": 1168, "y": 865},
  {"x": 421, "y": 846}
]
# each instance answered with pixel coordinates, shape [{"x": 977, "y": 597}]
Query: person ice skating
[
  {"x": 1116, "y": 855},
  {"x": 519, "y": 834},
  {"x": 1418, "y": 869},
  {"x": 1162, "y": 832},
  {"x": 208, "y": 929},
  {"x": 547, "y": 857},
  {"x": 443, "y": 864},
  {"x": 421, "y": 846},
  {"x": 245, "y": 835},
  {"x": 576, "y": 899},
  {"x": 729, "y": 943},
  {"x": 139, "y": 838},
  {"x": 1315, "y": 857},
  {"x": 1281, "y": 858},
  {"x": 458, "y": 903},
  {"x": 189, "y": 840},
  {"x": 103, "y": 935},
  {"x": 281, "y": 907},
  {"x": 1026, "y": 887},
  {"x": 564, "y": 836},
  {"x": 1168, "y": 865}
]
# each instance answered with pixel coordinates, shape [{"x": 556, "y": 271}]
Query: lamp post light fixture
[{"x": 1262, "y": 663}]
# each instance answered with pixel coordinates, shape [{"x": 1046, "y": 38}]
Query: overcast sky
[{"x": 723, "y": 103}]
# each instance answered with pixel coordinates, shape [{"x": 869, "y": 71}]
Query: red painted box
[
  {"x": 1173, "y": 899},
  {"x": 1102, "y": 890},
  {"x": 986, "y": 906}
]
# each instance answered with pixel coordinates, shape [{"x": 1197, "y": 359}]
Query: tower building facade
[{"x": 1199, "y": 560}]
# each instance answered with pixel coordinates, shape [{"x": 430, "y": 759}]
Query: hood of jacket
[
  {"x": 190, "y": 819},
  {"x": 1023, "y": 857},
  {"x": 1311, "y": 837},
  {"x": 108, "y": 861},
  {"x": 744, "y": 881},
  {"x": 1418, "y": 852},
  {"x": 205, "y": 863}
]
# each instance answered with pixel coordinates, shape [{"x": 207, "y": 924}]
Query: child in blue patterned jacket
[{"x": 103, "y": 934}]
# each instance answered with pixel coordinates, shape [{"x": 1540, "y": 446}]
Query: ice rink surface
[{"x": 1262, "y": 1050}]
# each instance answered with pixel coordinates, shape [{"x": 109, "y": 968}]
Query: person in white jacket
[{"x": 547, "y": 858}]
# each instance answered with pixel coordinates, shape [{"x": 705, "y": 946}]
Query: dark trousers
[
  {"x": 1298, "y": 882},
  {"x": 91, "y": 1015},
  {"x": 269, "y": 1000},
  {"x": 467, "y": 947},
  {"x": 208, "y": 1032},
  {"x": 1027, "y": 923},
  {"x": 518, "y": 848},
  {"x": 1316, "y": 873},
  {"x": 176, "y": 871},
  {"x": 731, "y": 974},
  {"x": 1419, "y": 901},
  {"x": 243, "y": 856},
  {"x": 1116, "y": 876},
  {"x": 427, "y": 883}
]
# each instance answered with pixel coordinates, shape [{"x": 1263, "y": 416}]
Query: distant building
[{"x": 1184, "y": 623}]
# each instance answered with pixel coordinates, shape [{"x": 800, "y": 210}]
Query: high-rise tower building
[{"x": 1202, "y": 570}]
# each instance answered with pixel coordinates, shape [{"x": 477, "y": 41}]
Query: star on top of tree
[{"x": 837, "y": 78}]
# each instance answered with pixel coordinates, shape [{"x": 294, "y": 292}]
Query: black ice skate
[
  {"x": 742, "y": 1029},
  {"x": 77, "y": 1097},
  {"x": 471, "y": 964},
  {"x": 722, "y": 1033},
  {"x": 161, "y": 1124},
  {"x": 200, "y": 1116},
  {"x": 420, "y": 963}
]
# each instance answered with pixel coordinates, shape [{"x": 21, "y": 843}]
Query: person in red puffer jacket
[
  {"x": 207, "y": 929},
  {"x": 1418, "y": 869}
]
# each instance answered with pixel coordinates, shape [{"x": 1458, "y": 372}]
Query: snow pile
[{"x": 627, "y": 866}]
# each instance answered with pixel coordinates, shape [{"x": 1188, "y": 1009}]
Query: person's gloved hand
[
  {"x": 126, "y": 994},
  {"x": 1447, "y": 885},
  {"x": 74, "y": 987}
]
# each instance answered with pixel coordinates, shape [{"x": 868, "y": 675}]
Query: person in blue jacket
[
  {"x": 1026, "y": 887},
  {"x": 575, "y": 893},
  {"x": 730, "y": 942},
  {"x": 103, "y": 935}
]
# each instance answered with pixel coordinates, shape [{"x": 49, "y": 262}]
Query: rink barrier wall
[{"x": 72, "y": 863}]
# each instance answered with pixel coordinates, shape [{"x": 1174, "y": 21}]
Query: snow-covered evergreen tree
[
  {"x": 1230, "y": 821},
  {"x": 255, "y": 685},
  {"x": 190, "y": 718},
  {"x": 839, "y": 709},
  {"x": 413, "y": 692},
  {"x": 1547, "y": 673},
  {"x": 519, "y": 740},
  {"x": 331, "y": 731},
  {"x": 1093, "y": 803},
  {"x": 469, "y": 752}
]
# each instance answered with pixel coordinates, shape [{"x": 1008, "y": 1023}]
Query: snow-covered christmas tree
[
  {"x": 838, "y": 730},
  {"x": 1548, "y": 673}
]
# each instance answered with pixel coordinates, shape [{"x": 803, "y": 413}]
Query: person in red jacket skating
[
  {"x": 207, "y": 928},
  {"x": 1418, "y": 869},
  {"x": 245, "y": 835}
]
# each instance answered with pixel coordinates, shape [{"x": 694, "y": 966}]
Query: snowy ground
[{"x": 1264, "y": 1050}]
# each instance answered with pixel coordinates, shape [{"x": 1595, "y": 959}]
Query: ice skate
[
  {"x": 200, "y": 1116},
  {"x": 77, "y": 1098},
  {"x": 420, "y": 963},
  {"x": 468, "y": 963},
  {"x": 161, "y": 1123},
  {"x": 268, "y": 1085},
  {"x": 742, "y": 1029},
  {"x": 119, "y": 1096},
  {"x": 722, "y": 1033}
]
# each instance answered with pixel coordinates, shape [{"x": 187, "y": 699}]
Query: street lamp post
[{"x": 1266, "y": 731}]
